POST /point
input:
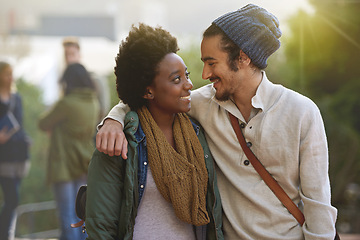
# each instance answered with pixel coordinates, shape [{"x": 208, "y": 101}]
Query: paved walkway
[{"x": 349, "y": 236}]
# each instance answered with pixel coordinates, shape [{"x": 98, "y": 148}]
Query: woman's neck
[{"x": 165, "y": 123}]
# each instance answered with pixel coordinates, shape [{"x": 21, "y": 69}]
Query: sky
[
  {"x": 194, "y": 16},
  {"x": 186, "y": 16},
  {"x": 185, "y": 19}
]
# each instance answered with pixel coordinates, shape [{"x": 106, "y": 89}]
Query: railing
[{"x": 30, "y": 209}]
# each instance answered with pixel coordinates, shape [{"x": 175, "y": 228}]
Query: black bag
[{"x": 80, "y": 204}]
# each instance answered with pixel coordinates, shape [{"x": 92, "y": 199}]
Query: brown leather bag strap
[{"x": 265, "y": 175}]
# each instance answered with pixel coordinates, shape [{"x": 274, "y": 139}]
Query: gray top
[{"x": 156, "y": 219}]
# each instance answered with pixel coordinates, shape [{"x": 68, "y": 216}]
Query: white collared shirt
[{"x": 287, "y": 135}]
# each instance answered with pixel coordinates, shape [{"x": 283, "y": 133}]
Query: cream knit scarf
[{"x": 180, "y": 175}]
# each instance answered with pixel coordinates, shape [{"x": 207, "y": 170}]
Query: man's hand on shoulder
[{"x": 111, "y": 140}]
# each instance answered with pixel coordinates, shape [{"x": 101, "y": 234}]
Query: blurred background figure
[
  {"x": 72, "y": 124},
  {"x": 13, "y": 148},
  {"x": 72, "y": 55},
  {"x": 71, "y": 50}
]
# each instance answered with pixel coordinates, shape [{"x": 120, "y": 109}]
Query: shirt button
[
  {"x": 246, "y": 162},
  {"x": 145, "y": 163},
  {"x": 206, "y": 156},
  {"x": 249, "y": 144},
  {"x": 141, "y": 186},
  {"x": 242, "y": 125}
]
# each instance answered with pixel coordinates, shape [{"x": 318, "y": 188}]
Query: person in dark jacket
[
  {"x": 71, "y": 122},
  {"x": 167, "y": 187},
  {"x": 13, "y": 148}
]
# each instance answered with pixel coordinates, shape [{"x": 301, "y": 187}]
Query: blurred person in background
[
  {"x": 71, "y": 123},
  {"x": 71, "y": 50},
  {"x": 72, "y": 54},
  {"x": 13, "y": 148}
]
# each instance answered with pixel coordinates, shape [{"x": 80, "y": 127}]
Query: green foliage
[
  {"x": 323, "y": 47},
  {"x": 192, "y": 58},
  {"x": 322, "y": 55},
  {"x": 111, "y": 80},
  {"x": 34, "y": 187}
]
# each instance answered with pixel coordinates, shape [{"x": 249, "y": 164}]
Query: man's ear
[
  {"x": 243, "y": 58},
  {"x": 148, "y": 95}
]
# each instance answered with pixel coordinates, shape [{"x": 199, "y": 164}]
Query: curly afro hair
[{"x": 137, "y": 62}]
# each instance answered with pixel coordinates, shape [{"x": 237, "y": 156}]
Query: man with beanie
[{"x": 283, "y": 129}]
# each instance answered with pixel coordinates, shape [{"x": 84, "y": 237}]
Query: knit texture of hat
[{"x": 254, "y": 30}]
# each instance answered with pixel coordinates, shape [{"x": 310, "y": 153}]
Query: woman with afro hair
[{"x": 166, "y": 188}]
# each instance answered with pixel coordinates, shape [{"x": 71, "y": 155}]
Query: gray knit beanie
[{"x": 254, "y": 30}]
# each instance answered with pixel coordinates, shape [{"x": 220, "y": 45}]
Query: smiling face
[
  {"x": 216, "y": 68},
  {"x": 170, "y": 91}
]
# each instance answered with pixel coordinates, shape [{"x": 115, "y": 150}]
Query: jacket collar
[{"x": 133, "y": 126}]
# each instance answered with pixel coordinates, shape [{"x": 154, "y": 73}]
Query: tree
[{"x": 322, "y": 57}]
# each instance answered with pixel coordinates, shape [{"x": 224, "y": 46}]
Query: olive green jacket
[
  {"x": 113, "y": 194},
  {"x": 72, "y": 124}
]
